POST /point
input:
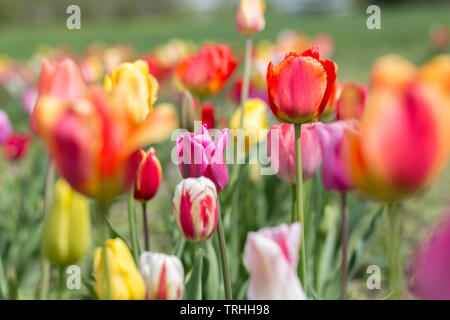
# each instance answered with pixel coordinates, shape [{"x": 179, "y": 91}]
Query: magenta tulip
[
  {"x": 333, "y": 142},
  {"x": 199, "y": 156}
]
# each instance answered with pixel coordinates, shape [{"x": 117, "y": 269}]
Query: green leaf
[{"x": 3, "y": 282}]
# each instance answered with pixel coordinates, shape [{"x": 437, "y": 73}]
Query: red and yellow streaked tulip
[
  {"x": 94, "y": 142},
  {"x": 205, "y": 73},
  {"x": 250, "y": 17},
  {"x": 140, "y": 85},
  {"x": 300, "y": 86},
  {"x": 163, "y": 276},
  {"x": 125, "y": 281},
  {"x": 149, "y": 176},
  {"x": 195, "y": 207}
]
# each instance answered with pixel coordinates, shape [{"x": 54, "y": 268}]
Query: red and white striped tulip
[
  {"x": 163, "y": 275},
  {"x": 195, "y": 207}
]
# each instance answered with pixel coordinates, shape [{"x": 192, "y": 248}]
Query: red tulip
[
  {"x": 149, "y": 176},
  {"x": 300, "y": 86},
  {"x": 209, "y": 115},
  {"x": 16, "y": 146},
  {"x": 205, "y": 73}
]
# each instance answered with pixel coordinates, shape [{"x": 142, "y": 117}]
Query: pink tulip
[
  {"x": 62, "y": 79},
  {"x": 199, "y": 156},
  {"x": 271, "y": 257},
  {"x": 333, "y": 142},
  {"x": 432, "y": 264},
  {"x": 283, "y": 162},
  {"x": 5, "y": 126}
]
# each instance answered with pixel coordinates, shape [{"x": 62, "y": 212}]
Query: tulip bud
[
  {"x": 254, "y": 120},
  {"x": 140, "y": 86},
  {"x": 195, "y": 207},
  {"x": 187, "y": 111},
  {"x": 16, "y": 146},
  {"x": 67, "y": 226},
  {"x": 163, "y": 276},
  {"x": 149, "y": 176},
  {"x": 300, "y": 86},
  {"x": 124, "y": 279},
  {"x": 209, "y": 115},
  {"x": 250, "y": 17}
]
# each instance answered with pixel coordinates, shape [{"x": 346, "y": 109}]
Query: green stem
[
  {"x": 344, "y": 238},
  {"x": 61, "y": 283},
  {"x": 45, "y": 264},
  {"x": 299, "y": 217},
  {"x": 395, "y": 257},
  {"x": 133, "y": 230},
  {"x": 105, "y": 236},
  {"x": 223, "y": 255},
  {"x": 246, "y": 77},
  {"x": 146, "y": 228},
  {"x": 294, "y": 200}
]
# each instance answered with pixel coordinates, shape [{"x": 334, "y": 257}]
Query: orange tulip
[
  {"x": 300, "y": 86},
  {"x": 205, "y": 73}
]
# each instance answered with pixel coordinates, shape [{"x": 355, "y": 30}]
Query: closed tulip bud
[
  {"x": 352, "y": 101},
  {"x": 163, "y": 276},
  {"x": 205, "y": 73},
  {"x": 254, "y": 121},
  {"x": 67, "y": 226},
  {"x": 16, "y": 146},
  {"x": 271, "y": 257},
  {"x": 300, "y": 86},
  {"x": 209, "y": 115},
  {"x": 250, "y": 17},
  {"x": 281, "y": 151},
  {"x": 125, "y": 281},
  {"x": 139, "y": 85},
  {"x": 149, "y": 176},
  {"x": 195, "y": 207}
]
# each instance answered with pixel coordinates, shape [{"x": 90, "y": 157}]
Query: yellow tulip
[
  {"x": 67, "y": 226},
  {"x": 254, "y": 120},
  {"x": 125, "y": 281},
  {"x": 140, "y": 86}
]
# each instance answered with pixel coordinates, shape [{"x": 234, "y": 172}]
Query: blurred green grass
[{"x": 404, "y": 30}]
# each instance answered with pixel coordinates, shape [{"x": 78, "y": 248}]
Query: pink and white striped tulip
[
  {"x": 271, "y": 257},
  {"x": 163, "y": 275},
  {"x": 195, "y": 207}
]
